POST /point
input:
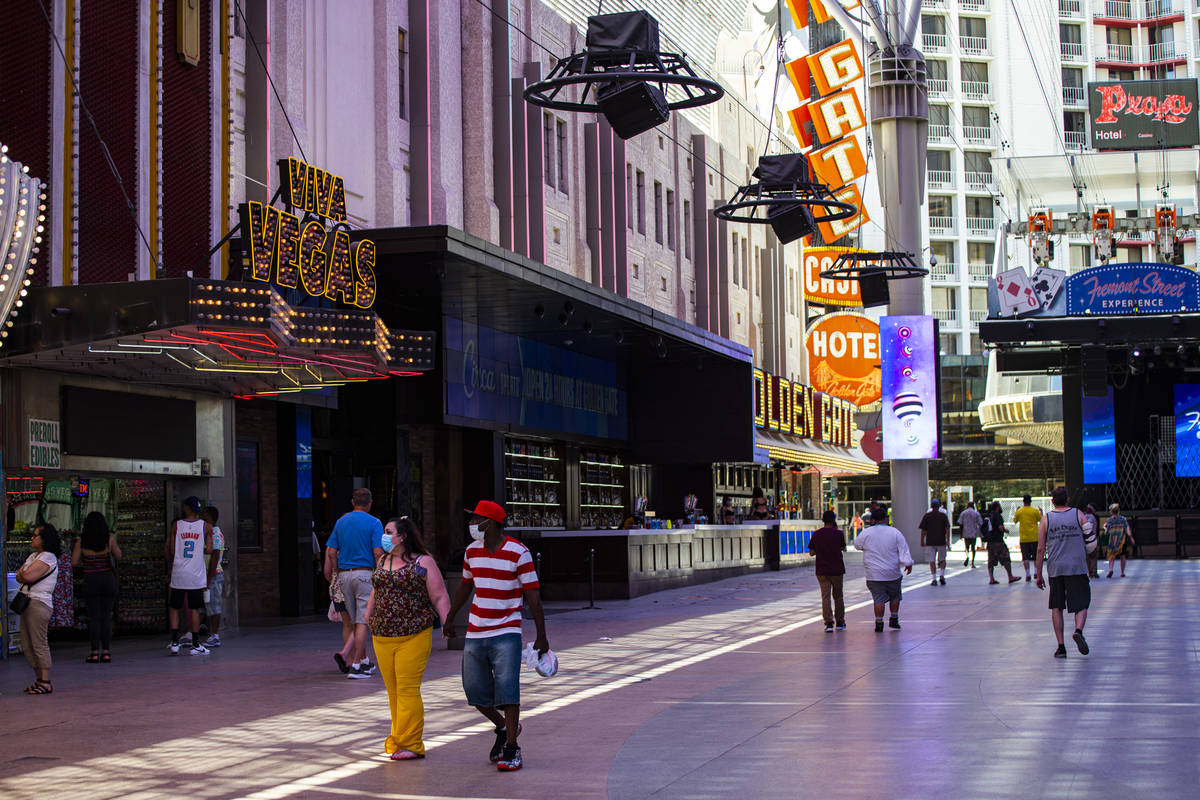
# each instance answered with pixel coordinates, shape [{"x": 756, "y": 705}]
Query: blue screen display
[
  {"x": 1099, "y": 440},
  {"x": 1187, "y": 430}
]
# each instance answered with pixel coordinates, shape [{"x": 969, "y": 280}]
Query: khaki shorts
[{"x": 356, "y": 589}]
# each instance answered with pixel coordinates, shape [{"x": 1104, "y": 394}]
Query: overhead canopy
[
  {"x": 1114, "y": 178},
  {"x": 830, "y": 460},
  {"x": 221, "y": 336}
]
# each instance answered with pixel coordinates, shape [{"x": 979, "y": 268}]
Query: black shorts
[
  {"x": 1028, "y": 551},
  {"x": 998, "y": 554},
  {"x": 969, "y": 541},
  {"x": 195, "y": 598},
  {"x": 1073, "y": 592}
]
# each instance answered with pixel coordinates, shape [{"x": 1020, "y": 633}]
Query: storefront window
[{"x": 249, "y": 529}]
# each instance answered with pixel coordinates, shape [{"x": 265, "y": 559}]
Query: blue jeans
[{"x": 491, "y": 671}]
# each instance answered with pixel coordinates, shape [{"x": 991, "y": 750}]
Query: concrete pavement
[{"x": 716, "y": 691}]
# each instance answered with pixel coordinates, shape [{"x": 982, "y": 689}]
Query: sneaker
[
  {"x": 213, "y": 641},
  {"x": 199, "y": 650},
  {"x": 966, "y": 561},
  {"x": 841, "y": 626},
  {"x": 942, "y": 581},
  {"x": 894, "y": 622},
  {"x": 501, "y": 741},
  {"x": 173, "y": 648},
  {"x": 1028, "y": 579},
  {"x": 1061, "y": 652},
  {"x": 510, "y": 759},
  {"x": 358, "y": 673},
  {"x": 1081, "y": 643},
  {"x": 933, "y": 582},
  {"x": 829, "y": 627},
  {"x": 341, "y": 663},
  {"x": 879, "y": 626},
  {"x": 186, "y": 640},
  {"x": 368, "y": 667}
]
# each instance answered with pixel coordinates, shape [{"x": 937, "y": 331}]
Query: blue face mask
[{"x": 386, "y": 543}]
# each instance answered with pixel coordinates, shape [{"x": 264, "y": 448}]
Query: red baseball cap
[{"x": 488, "y": 510}]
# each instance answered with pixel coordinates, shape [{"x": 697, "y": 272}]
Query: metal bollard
[{"x": 591, "y": 577}]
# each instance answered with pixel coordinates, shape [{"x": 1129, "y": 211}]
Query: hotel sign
[
  {"x": 800, "y": 411},
  {"x": 843, "y": 357},
  {"x": 1143, "y": 115},
  {"x": 307, "y": 244}
]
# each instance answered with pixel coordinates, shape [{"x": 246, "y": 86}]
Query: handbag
[{"x": 20, "y": 600}]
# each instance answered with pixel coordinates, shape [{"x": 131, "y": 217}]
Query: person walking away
[
  {"x": 95, "y": 551},
  {"x": 827, "y": 545},
  {"x": 1118, "y": 539},
  {"x": 969, "y": 521},
  {"x": 935, "y": 538},
  {"x": 1027, "y": 518},
  {"x": 1063, "y": 550},
  {"x": 993, "y": 532},
  {"x": 216, "y": 585},
  {"x": 500, "y": 570},
  {"x": 356, "y": 546},
  {"x": 187, "y": 545},
  {"x": 338, "y": 612},
  {"x": 37, "y": 578},
  {"x": 885, "y": 555},
  {"x": 408, "y": 596}
]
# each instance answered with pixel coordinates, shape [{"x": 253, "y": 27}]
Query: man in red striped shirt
[{"x": 500, "y": 570}]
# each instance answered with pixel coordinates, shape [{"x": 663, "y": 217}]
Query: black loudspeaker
[
  {"x": 1094, "y": 366},
  {"x": 626, "y": 30},
  {"x": 873, "y": 287},
  {"x": 791, "y": 222},
  {"x": 632, "y": 107}
]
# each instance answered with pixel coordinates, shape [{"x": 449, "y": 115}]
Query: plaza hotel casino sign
[{"x": 307, "y": 244}]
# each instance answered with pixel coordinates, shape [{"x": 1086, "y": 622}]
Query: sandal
[
  {"x": 39, "y": 687},
  {"x": 405, "y": 755},
  {"x": 94, "y": 658},
  {"x": 105, "y": 657}
]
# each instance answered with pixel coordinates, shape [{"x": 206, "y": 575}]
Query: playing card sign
[
  {"x": 1047, "y": 282},
  {"x": 1016, "y": 294}
]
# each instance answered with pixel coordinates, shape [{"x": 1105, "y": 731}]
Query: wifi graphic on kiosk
[{"x": 907, "y": 407}]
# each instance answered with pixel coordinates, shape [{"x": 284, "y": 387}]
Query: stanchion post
[{"x": 591, "y": 577}]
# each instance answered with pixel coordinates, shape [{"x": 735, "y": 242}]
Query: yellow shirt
[{"x": 1028, "y": 517}]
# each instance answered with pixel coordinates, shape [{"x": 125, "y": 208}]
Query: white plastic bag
[{"x": 546, "y": 666}]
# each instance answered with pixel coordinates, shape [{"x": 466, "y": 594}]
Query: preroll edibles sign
[{"x": 911, "y": 416}]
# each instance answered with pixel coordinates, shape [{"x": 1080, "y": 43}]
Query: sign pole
[{"x": 899, "y": 128}]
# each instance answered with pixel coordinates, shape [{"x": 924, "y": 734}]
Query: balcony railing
[
  {"x": 938, "y": 132},
  {"x": 978, "y": 135},
  {"x": 981, "y": 225},
  {"x": 941, "y": 224},
  {"x": 933, "y": 3},
  {"x": 948, "y": 317},
  {"x": 974, "y": 45},
  {"x": 1071, "y": 51},
  {"x": 1076, "y": 140},
  {"x": 1074, "y": 95},
  {"x": 940, "y": 179},
  {"x": 1070, "y": 8},
  {"x": 1138, "y": 9},
  {"x": 1156, "y": 9},
  {"x": 939, "y": 86},
  {"x": 944, "y": 271},
  {"x": 934, "y": 42},
  {"x": 977, "y": 90},
  {"x": 978, "y": 272},
  {"x": 1114, "y": 9},
  {"x": 974, "y": 5},
  {"x": 1162, "y": 51},
  {"x": 1119, "y": 54},
  {"x": 977, "y": 315},
  {"x": 979, "y": 181}
]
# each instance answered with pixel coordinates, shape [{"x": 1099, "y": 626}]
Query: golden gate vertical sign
[{"x": 826, "y": 123}]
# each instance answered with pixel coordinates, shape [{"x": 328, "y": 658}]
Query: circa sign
[{"x": 310, "y": 248}]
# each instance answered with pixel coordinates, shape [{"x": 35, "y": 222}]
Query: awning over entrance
[
  {"x": 234, "y": 338},
  {"x": 830, "y": 460}
]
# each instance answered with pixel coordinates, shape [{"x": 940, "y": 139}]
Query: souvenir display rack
[
  {"x": 533, "y": 483},
  {"x": 603, "y": 489}
]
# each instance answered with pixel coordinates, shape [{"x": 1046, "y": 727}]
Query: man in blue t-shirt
[{"x": 356, "y": 545}]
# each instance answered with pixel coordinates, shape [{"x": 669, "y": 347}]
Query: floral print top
[{"x": 402, "y": 604}]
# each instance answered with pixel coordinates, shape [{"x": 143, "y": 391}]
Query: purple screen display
[{"x": 910, "y": 384}]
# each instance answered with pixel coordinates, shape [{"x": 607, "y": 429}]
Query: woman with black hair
[
  {"x": 408, "y": 596},
  {"x": 759, "y": 508},
  {"x": 37, "y": 577},
  {"x": 95, "y": 549}
]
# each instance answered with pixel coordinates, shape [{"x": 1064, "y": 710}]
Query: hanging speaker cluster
[{"x": 785, "y": 196}]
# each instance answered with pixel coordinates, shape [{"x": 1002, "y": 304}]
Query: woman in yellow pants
[{"x": 408, "y": 596}]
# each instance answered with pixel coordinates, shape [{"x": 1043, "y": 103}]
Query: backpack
[{"x": 984, "y": 526}]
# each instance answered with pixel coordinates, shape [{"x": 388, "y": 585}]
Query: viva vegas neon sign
[{"x": 307, "y": 244}]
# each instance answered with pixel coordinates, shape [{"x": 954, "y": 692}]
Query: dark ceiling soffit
[
  {"x": 1037, "y": 360},
  {"x": 1123, "y": 330},
  {"x": 449, "y": 241}
]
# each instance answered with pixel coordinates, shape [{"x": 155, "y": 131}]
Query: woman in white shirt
[{"x": 37, "y": 577}]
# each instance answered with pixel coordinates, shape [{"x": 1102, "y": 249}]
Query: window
[
  {"x": 687, "y": 229},
  {"x": 548, "y": 148},
  {"x": 733, "y": 262},
  {"x": 1118, "y": 36},
  {"x": 658, "y": 212},
  {"x": 660, "y": 143},
  {"x": 757, "y": 270},
  {"x": 560, "y": 127},
  {"x": 933, "y": 26},
  {"x": 1072, "y": 78},
  {"x": 943, "y": 252},
  {"x": 939, "y": 115},
  {"x": 978, "y": 299},
  {"x": 402, "y": 84},
  {"x": 249, "y": 531},
  {"x": 1069, "y": 34},
  {"x": 976, "y": 117},
  {"x": 671, "y": 219},
  {"x": 938, "y": 161},
  {"x": 943, "y": 298},
  {"x": 972, "y": 27},
  {"x": 1074, "y": 122},
  {"x": 941, "y": 205},
  {"x": 663, "y": 278},
  {"x": 739, "y": 318},
  {"x": 629, "y": 195},
  {"x": 980, "y": 207},
  {"x": 745, "y": 263},
  {"x": 948, "y": 343},
  {"x": 977, "y": 162},
  {"x": 974, "y": 72},
  {"x": 692, "y": 296},
  {"x": 936, "y": 70},
  {"x": 1081, "y": 256},
  {"x": 976, "y": 344},
  {"x": 641, "y": 202},
  {"x": 635, "y": 271},
  {"x": 1120, "y": 74},
  {"x": 981, "y": 253}
]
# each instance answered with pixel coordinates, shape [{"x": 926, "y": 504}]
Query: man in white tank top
[
  {"x": 187, "y": 545},
  {"x": 1064, "y": 536}
]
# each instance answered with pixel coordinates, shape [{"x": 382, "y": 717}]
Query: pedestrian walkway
[{"x": 730, "y": 689}]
